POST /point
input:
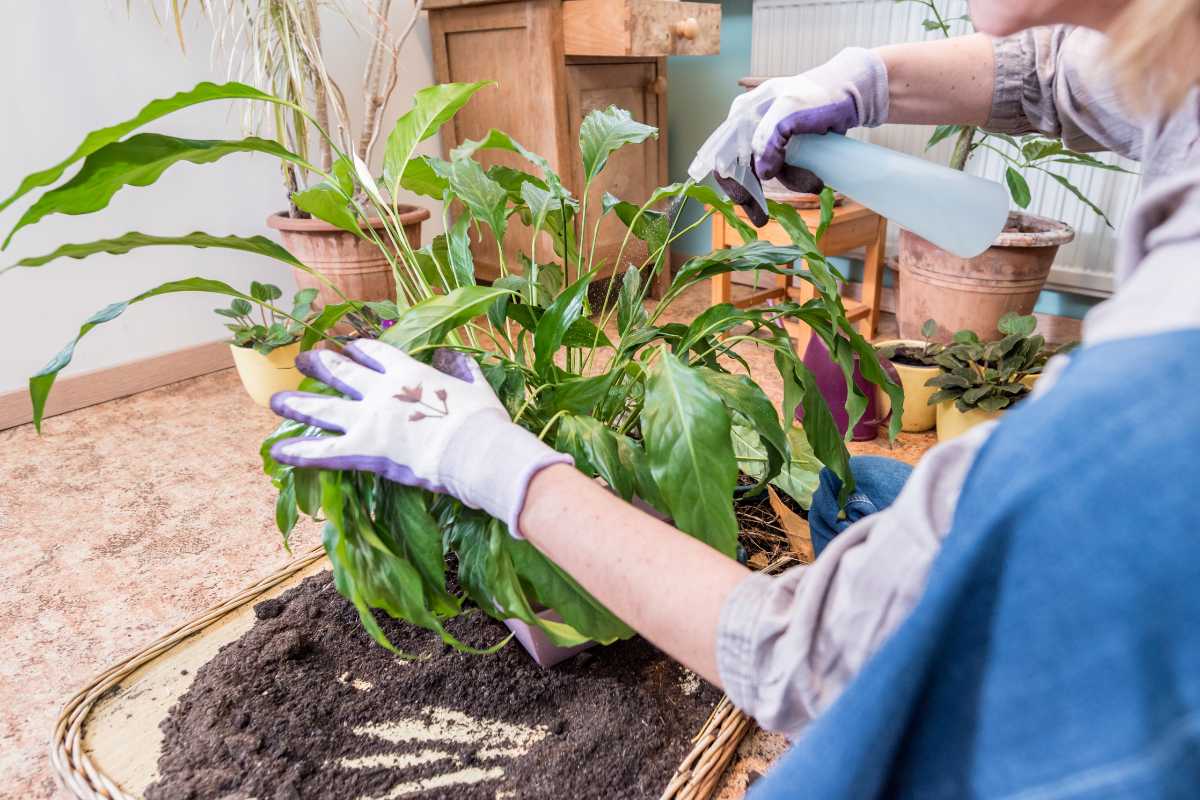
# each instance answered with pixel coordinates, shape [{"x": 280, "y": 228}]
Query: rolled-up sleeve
[
  {"x": 788, "y": 645},
  {"x": 1056, "y": 81}
]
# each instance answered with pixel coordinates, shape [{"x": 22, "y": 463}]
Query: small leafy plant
[
  {"x": 989, "y": 375},
  {"x": 664, "y": 411},
  {"x": 271, "y": 330},
  {"x": 1022, "y": 155},
  {"x": 922, "y": 356}
]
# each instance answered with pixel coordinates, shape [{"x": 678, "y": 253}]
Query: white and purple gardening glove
[
  {"x": 848, "y": 91},
  {"x": 437, "y": 427}
]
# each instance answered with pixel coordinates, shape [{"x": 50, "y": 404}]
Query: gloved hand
[
  {"x": 441, "y": 428},
  {"x": 848, "y": 91}
]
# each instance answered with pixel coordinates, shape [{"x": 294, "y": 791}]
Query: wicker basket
[{"x": 106, "y": 740}]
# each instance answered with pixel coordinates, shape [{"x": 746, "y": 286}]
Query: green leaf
[
  {"x": 929, "y": 329},
  {"x": 801, "y": 472},
  {"x": 1073, "y": 189},
  {"x": 498, "y": 312},
  {"x": 426, "y": 175},
  {"x": 432, "y": 108},
  {"x": 603, "y": 132},
  {"x": 429, "y": 320},
  {"x": 828, "y": 203},
  {"x": 1016, "y": 324},
  {"x": 630, "y": 311},
  {"x": 686, "y": 432},
  {"x": 553, "y": 325},
  {"x": 579, "y": 395},
  {"x": 155, "y": 109},
  {"x": 652, "y": 227},
  {"x": 403, "y": 512},
  {"x": 751, "y": 256},
  {"x": 942, "y": 132},
  {"x": 41, "y": 383},
  {"x": 800, "y": 388},
  {"x": 285, "y": 506},
  {"x": 1017, "y": 187},
  {"x": 584, "y": 333},
  {"x": 595, "y": 450},
  {"x": 137, "y": 161},
  {"x": 330, "y": 200},
  {"x": 499, "y": 140},
  {"x": 484, "y": 198},
  {"x": 995, "y": 403},
  {"x": 241, "y": 307},
  {"x": 133, "y": 240},
  {"x": 745, "y": 397},
  {"x": 330, "y": 315},
  {"x": 708, "y": 196}
]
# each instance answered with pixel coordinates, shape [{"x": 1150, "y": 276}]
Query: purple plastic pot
[
  {"x": 832, "y": 385},
  {"x": 535, "y": 641}
]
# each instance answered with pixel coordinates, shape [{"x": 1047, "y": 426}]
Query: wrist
[{"x": 863, "y": 75}]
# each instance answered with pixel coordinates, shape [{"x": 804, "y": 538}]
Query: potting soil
[{"x": 306, "y": 705}]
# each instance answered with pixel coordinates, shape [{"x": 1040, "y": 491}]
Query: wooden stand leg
[{"x": 873, "y": 281}]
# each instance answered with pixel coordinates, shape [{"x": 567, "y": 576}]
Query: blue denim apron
[{"x": 1056, "y": 650}]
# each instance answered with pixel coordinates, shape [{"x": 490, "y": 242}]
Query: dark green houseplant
[{"x": 653, "y": 408}]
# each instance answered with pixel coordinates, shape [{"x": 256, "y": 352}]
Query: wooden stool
[{"x": 854, "y": 225}]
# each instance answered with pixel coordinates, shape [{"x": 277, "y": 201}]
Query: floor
[{"x": 127, "y": 518}]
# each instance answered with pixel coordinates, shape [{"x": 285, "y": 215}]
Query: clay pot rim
[
  {"x": 1052, "y": 233},
  {"x": 280, "y": 221}
]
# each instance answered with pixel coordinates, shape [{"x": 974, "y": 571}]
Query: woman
[{"x": 1017, "y": 617}]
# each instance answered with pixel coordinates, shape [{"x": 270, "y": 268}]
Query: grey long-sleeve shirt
[{"x": 787, "y": 646}]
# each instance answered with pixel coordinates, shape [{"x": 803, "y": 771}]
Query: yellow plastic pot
[
  {"x": 262, "y": 375},
  {"x": 918, "y": 414},
  {"x": 951, "y": 422}
]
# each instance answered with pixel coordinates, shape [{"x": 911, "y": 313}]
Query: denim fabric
[
  {"x": 877, "y": 481},
  {"x": 1055, "y": 652}
]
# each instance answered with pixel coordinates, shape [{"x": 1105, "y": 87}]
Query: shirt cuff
[
  {"x": 1014, "y": 63},
  {"x": 736, "y": 636}
]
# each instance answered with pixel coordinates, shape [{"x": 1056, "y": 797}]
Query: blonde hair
[{"x": 1156, "y": 50}]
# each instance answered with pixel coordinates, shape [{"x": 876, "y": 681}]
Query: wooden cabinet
[{"x": 543, "y": 92}]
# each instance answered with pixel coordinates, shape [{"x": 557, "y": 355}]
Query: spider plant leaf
[
  {"x": 137, "y": 161},
  {"x": 155, "y": 109},
  {"x": 685, "y": 427}
]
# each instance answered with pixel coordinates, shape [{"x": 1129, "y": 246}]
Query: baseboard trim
[{"x": 99, "y": 386}]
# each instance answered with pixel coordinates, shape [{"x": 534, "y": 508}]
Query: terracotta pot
[
  {"x": 262, "y": 375},
  {"x": 973, "y": 293},
  {"x": 355, "y": 266},
  {"x": 918, "y": 414},
  {"x": 952, "y": 423}
]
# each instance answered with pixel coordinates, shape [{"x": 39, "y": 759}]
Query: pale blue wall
[{"x": 698, "y": 97}]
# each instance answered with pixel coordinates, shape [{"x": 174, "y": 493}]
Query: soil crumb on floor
[{"x": 306, "y": 705}]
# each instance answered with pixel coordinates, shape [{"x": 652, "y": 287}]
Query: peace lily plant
[{"x": 658, "y": 410}]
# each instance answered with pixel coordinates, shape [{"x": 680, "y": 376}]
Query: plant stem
[{"x": 962, "y": 148}]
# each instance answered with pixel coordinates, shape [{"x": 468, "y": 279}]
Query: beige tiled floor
[{"x": 125, "y": 519}]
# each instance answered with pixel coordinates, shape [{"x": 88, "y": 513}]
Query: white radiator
[{"x": 790, "y": 36}]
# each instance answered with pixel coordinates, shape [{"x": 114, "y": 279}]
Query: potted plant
[
  {"x": 614, "y": 385},
  {"x": 915, "y": 364},
  {"x": 978, "y": 380},
  {"x": 276, "y": 46},
  {"x": 974, "y": 293},
  {"x": 265, "y": 349}
]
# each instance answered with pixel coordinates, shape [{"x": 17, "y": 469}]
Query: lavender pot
[{"x": 832, "y": 385}]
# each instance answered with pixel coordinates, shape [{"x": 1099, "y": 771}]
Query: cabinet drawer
[{"x": 641, "y": 28}]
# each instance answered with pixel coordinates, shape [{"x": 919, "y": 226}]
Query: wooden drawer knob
[
  {"x": 658, "y": 85},
  {"x": 686, "y": 29}
]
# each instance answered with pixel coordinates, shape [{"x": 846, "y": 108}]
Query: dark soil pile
[{"x": 306, "y": 705}]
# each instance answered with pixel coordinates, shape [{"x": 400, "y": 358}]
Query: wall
[
  {"x": 698, "y": 99},
  {"x": 72, "y": 72}
]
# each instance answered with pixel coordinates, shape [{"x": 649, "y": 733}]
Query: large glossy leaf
[
  {"x": 136, "y": 161},
  {"x": 484, "y": 198},
  {"x": 595, "y": 450},
  {"x": 402, "y": 512},
  {"x": 430, "y": 319},
  {"x": 652, "y": 227},
  {"x": 330, "y": 315},
  {"x": 800, "y": 473},
  {"x": 686, "y": 431},
  {"x": 499, "y": 140},
  {"x": 155, "y": 109},
  {"x": 751, "y": 256},
  {"x": 133, "y": 240},
  {"x": 432, "y": 108},
  {"x": 458, "y": 250},
  {"x": 603, "y": 132},
  {"x": 329, "y": 200},
  {"x": 800, "y": 388},
  {"x": 630, "y": 311},
  {"x": 426, "y": 175},
  {"x": 554, "y": 324},
  {"x": 709, "y": 197},
  {"x": 41, "y": 383},
  {"x": 745, "y": 398}
]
